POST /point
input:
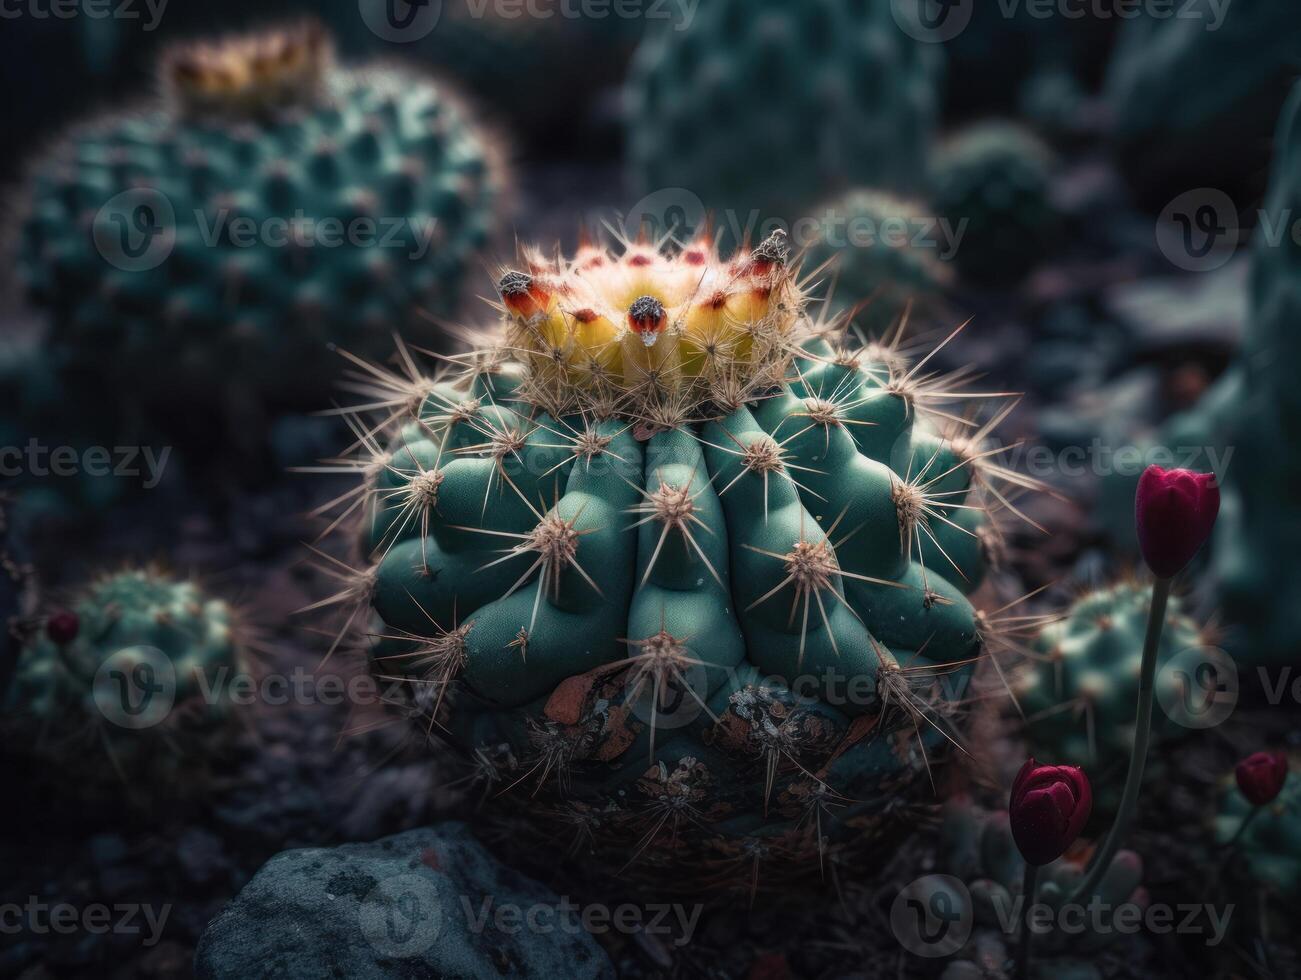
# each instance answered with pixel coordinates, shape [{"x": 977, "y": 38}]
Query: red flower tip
[
  {"x": 1174, "y": 512},
  {"x": 62, "y": 627},
  {"x": 1048, "y": 809},
  {"x": 1261, "y": 776}
]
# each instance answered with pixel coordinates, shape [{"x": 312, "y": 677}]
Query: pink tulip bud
[
  {"x": 1048, "y": 809},
  {"x": 1174, "y": 511},
  {"x": 1261, "y": 776},
  {"x": 62, "y": 627}
]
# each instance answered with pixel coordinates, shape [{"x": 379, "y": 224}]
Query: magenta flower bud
[
  {"x": 1261, "y": 776},
  {"x": 1048, "y": 809},
  {"x": 62, "y": 627},
  {"x": 1174, "y": 511}
]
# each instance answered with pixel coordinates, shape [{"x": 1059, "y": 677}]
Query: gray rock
[{"x": 429, "y": 903}]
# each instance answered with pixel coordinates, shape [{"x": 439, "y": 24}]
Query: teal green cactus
[
  {"x": 127, "y": 691},
  {"x": 992, "y": 182},
  {"x": 977, "y": 848},
  {"x": 889, "y": 257},
  {"x": 683, "y": 575},
  {"x": 761, "y": 108},
  {"x": 205, "y": 250},
  {"x": 1267, "y": 848},
  {"x": 1080, "y": 690},
  {"x": 1195, "y": 107}
]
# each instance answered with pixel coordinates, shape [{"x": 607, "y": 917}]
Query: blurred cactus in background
[
  {"x": 1194, "y": 97},
  {"x": 125, "y": 692},
  {"x": 762, "y": 107},
  {"x": 1079, "y": 691},
  {"x": 992, "y": 182},
  {"x": 681, "y": 570},
  {"x": 1268, "y": 848},
  {"x": 888, "y": 259},
  {"x": 977, "y": 848},
  {"x": 200, "y": 254}
]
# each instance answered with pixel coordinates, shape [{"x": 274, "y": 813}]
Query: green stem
[
  {"x": 1138, "y": 755},
  {"x": 1028, "y": 890}
]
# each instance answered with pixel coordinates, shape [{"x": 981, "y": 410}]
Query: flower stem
[
  {"x": 1028, "y": 890},
  {"x": 1142, "y": 738}
]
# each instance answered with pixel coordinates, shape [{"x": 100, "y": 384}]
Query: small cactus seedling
[
  {"x": 124, "y": 691},
  {"x": 1079, "y": 691},
  {"x": 977, "y": 848},
  {"x": 680, "y": 567},
  {"x": 992, "y": 182},
  {"x": 203, "y": 250}
]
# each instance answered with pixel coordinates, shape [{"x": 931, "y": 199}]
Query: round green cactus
[
  {"x": 1079, "y": 692},
  {"x": 1268, "y": 846},
  {"x": 888, "y": 258},
  {"x": 206, "y": 249},
  {"x": 684, "y": 576},
  {"x": 128, "y": 687},
  {"x": 977, "y": 848},
  {"x": 761, "y": 105},
  {"x": 992, "y": 182}
]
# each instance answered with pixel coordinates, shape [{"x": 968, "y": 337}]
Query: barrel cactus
[
  {"x": 679, "y": 571},
  {"x": 1269, "y": 847},
  {"x": 1080, "y": 687},
  {"x": 205, "y": 248},
  {"x": 759, "y": 107},
  {"x": 992, "y": 182},
  {"x": 126, "y": 690},
  {"x": 978, "y": 850},
  {"x": 889, "y": 257}
]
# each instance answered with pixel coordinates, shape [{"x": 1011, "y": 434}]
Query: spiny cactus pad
[
  {"x": 207, "y": 246},
  {"x": 992, "y": 182},
  {"x": 669, "y": 562},
  {"x": 1081, "y": 686},
  {"x": 126, "y": 690},
  {"x": 764, "y": 104}
]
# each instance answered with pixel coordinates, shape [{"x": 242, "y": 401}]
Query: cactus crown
[
  {"x": 655, "y": 334},
  {"x": 250, "y": 75}
]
